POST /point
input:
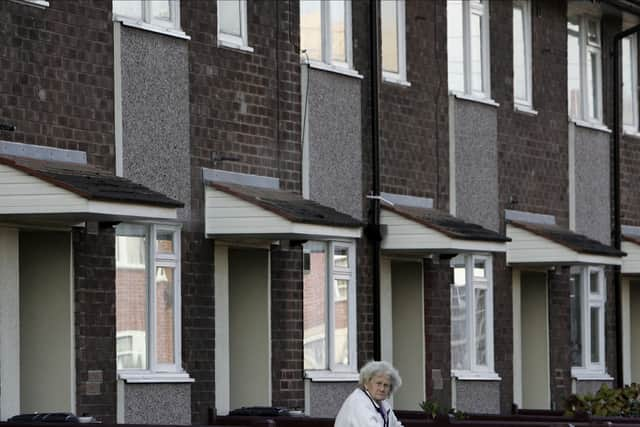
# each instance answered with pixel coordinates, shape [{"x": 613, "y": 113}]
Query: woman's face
[{"x": 379, "y": 387}]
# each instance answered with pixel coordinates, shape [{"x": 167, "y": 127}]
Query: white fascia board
[
  {"x": 631, "y": 263},
  {"x": 527, "y": 248},
  {"x": 117, "y": 209}
]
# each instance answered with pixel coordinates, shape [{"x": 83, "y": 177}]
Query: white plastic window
[
  {"x": 151, "y": 14},
  {"x": 232, "y": 24},
  {"x": 325, "y": 32},
  {"x": 329, "y": 307},
  {"x": 630, "y": 83},
  {"x": 522, "y": 76},
  {"x": 392, "y": 19}
]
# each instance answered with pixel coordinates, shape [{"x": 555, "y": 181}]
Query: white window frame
[
  {"x": 334, "y": 370},
  {"x": 474, "y": 370},
  {"x": 585, "y": 49},
  {"x": 590, "y": 300},
  {"x": 479, "y": 8},
  {"x": 156, "y": 371},
  {"x": 525, "y": 6},
  {"x": 147, "y": 22},
  {"x": 326, "y": 62},
  {"x": 401, "y": 76},
  {"x": 633, "y": 65},
  {"x": 231, "y": 40}
]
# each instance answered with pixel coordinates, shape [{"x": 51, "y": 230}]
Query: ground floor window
[
  {"x": 329, "y": 306},
  {"x": 588, "y": 299},
  {"x": 472, "y": 314},
  {"x": 148, "y": 297}
]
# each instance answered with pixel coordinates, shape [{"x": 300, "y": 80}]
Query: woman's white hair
[{"x": 373, "y": 368}]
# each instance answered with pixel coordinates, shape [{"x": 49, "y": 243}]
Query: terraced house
[{"x": 210, "y": 204}]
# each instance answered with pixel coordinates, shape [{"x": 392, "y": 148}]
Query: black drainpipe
[
  {"x": 616, "y": 231},
  {"x": 374, "y": 199}
]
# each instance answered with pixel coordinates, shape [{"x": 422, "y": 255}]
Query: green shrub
[
  {"x": 607, "y": 402},
  {"x": 433, "y": 409}
]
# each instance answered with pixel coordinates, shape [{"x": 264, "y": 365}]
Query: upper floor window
[
  {"x": 587, "y": 297},
  {"x": 392, "y": 19},
  {"x": 522, "y": 87},
  {"x": 468, "y": 47},
  {"x": 148, "y": 298},
  {"x": 232, "y": 24},
  {"x": 163, "y": 14},
  {"x": 472, "y": 315},
  {"x": 584, "y": 69},
  {"x": 630, "y": 83},
  {"x": 325, "y": 31},
  {"x": 329, "y": 306}
]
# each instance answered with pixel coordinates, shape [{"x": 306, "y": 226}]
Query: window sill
[
  {"x": 475, "y": 376},
  {"x": 153, "y": 28},
  {"x": 141, "y": 377},
  {"x": 396, "y": 80},
  {"x": 589, "y": 125},
  {"x": 228, "y": 45},
  {"x": 333, "y": 69},
  {"x": 631, "y": 133},
  {"x": 331, "y": 376},
  {"x": 524, "y": 109},
  {"x": 474, "y": 98},
  {"x": 582, "y": 374},
  {"x": 41, "y": 4}
]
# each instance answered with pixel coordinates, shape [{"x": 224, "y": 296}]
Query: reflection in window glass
[
  {"x": 519, "y": 55},
  {"x": 389, "y": 23},
  {"x": 455, "y": 46},
  {"x": 338, "y": 35},
  {"x": 165, "y": 292},
  {"x": 593, "y": 63},
  {"x": 130, "y": 9},
  {"x": 314, "y": 307},
  {"x": 311, "y": 28},
  {"x": 594, "y": 282},
  {"x": 593, "y": 32},
  {"x": 131, "y": 306},
  {"x": 164, "y": 242},
  {"x": 161, "y": 9},
  {"x": 481, "y": 326},
  {"x": 479, "y": 270},
  {"x": 595, "y": 334},
  {"x": 477, "y": 84},
  {"x": 341, "y": 257},
  {"x": 573, "y": 75},
  {"x": 575, "y": 290},
  {"x": 229, "y": 17},
  {"x": 629, "y": 91},
  {"x": 459, "y": 337},
  {"x": 341, "y": 322}
]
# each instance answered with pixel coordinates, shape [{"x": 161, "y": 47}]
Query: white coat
[{"x": 358, "y": 410}]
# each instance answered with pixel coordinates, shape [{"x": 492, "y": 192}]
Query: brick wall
[
  {"x": 287, "y": 327},
  {"x": 94, "y": 320},
  {"x": 245, "y": 106},
  {"x": 437, "y": 312},
  {"x": 414, "y": 145},
  {"x": 611, "y": 350},
  {"x": 559, "y": 335},
  {"x": 56, "y": 76},
  {"x": 532, "y": 150},
  {"x": 503, "y": 329},
  {"x": 198, "y": 323}
]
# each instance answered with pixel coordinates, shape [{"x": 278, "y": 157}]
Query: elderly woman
[{"x": 367, "y": 406}]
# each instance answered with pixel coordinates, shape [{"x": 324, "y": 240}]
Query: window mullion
[{"x": 331, "y": 312}]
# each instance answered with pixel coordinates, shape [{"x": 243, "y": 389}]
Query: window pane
[
  {"x": 164, "y": 242},
  {"x": 165, "y": 315},
  {"x": 229, "y": 17},
  {"x": 337, "y": 29},
  {"x": 593, "y": 32},
  {"x": 160, "y": 9},
  {"x": 341, "y": 322},
  {"x": 131, "y": 302},
  {"x": 341, "y": 257},
  {"x": 479, "y": 268},
  {"x": 455, "y": 46},
  {"x": 595, "y": 334},
  {"x": 481, "y": 326},
  {"x": 593, "y": 98},
  {"x": 576, "y": 320},
  {"x": 311, "y": 28},
  {"x": 389, "y": 19},
  {"x": 628, "y": 89},
  {"x": 573, "y": 76},
  {"x": 314, "y": 307},
  {"x": 519, "y": 55},
  {"x": 477, "y": 84},
  {"x": 594, "y": 283},
  {"x": 130, "y": 9},
  {"x": 459, "y": 337}
]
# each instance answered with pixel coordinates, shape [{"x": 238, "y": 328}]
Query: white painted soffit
[
  {"x": 527, "y": 248},
  {"x": 631, "y": 263},
  {"x": 403, "y": 234},
  {"x": 230, "y": 216},
  {"x": 24, "y": 197}
]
